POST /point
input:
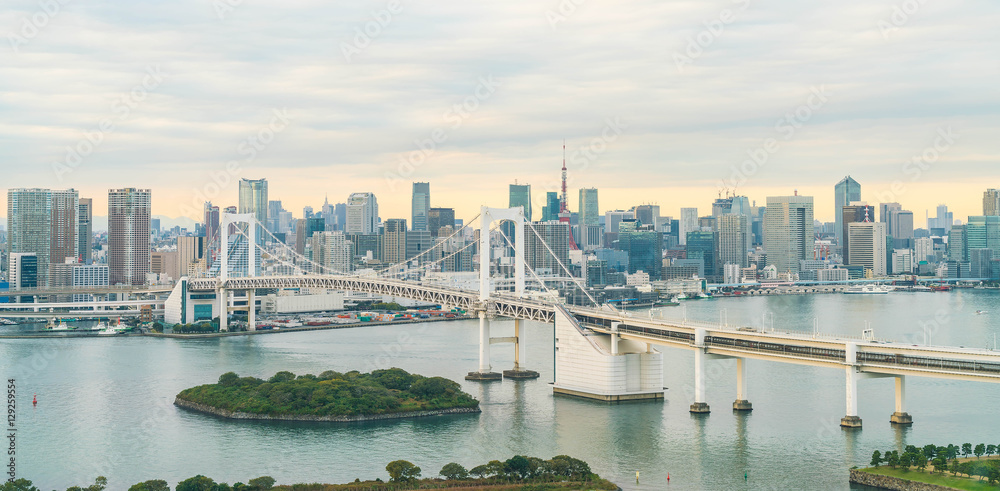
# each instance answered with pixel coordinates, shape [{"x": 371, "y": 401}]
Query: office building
[
  {"x": 700, "y": 246},
  {"x": 211, "y": 222},
  {"x": 979, "y": 262},
  {"x": 537, "y": 256},
  {"x": 394, "y": 241},
  {"x": 89, "y": 275},
  {"x": 733, "y": 232},
  {"x": 305, "y": 228},
  {"x": 253, "y": 198},
  {"x": 902, "y": 261},
  {"x": 128, "y": 236},
  {"x": 688, "y": 223},
  {"x": 440, "y": 217},
  {"x": 190, "y": 256},
  {"x": 867, "y": 246},
  {"x": 553, "y": 205},
  {"x": 957, "y": 247},
  {"x": 44, "y": 222},
  {"x": 590, "y": 212},
  {"x": 789, "y": 231},
  {"x": 274, "y": 209},
  {"x": 845, "y": 192},
  {"x": 982, "y": 232},
  {"x": 857, "y": 211},
  {"x": 647, "y": 214},
  {"x": 85, "y": 232},
  {"x": 420, "y": 205},
  {"x": 991, "y": 202},
  {"x": 22, "y": 273},
  {"x": 366, "y": 247},
  {"x": 362, "y": 214},
  {"x": 644, "y": 248},
  {"x": 520, "y": 195},
  {"x": 332, "y": 250},
  {"x": 417, "y": 242},
  {"x": 900, "y": 227}
]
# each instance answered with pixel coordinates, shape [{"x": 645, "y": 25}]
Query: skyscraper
[
  {"x": 688, "y": 223},
  {"x": 789, "y": 236},
  {"x": 23, "y": 273},
  {"x": 362, "y": 214},
  {"x": 867, "y": 246},
  {"x": 331, "y": 250},
  {"x": 845, "y": 192},
  {"x": 128, "y": 236},
  {"x": 394, "y": 240},
  {"x": 537, "y": 256},
  {"x": 85, "y": 234},
  {"x": 857, "y": 211},
  {"x": 647, "y": 214},
  {"x": 982, "y": 232},
  {"x": 590, "y": 212},
  {"x": 991, "y": 202},
  {"x": 44, "y": 222},
  {"x": 211, "y": 222},
  {"x": 274, "y": 209},
  {"x": 520, "y": 195},
  {"x": 733, "y": 231},
  {"x": 552, "y": 206},
  {"x": 420, "y": 205},
  {"x": 253, "y": 198},
  {"x": 440, "y": 217}
]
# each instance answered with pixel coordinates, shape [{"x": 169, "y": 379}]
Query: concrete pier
[
  {"x": 741, "y": 403},
  {"x": 901, "y": 417}
]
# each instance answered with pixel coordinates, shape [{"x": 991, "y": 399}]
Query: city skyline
[{"x": 338, "y": 121}]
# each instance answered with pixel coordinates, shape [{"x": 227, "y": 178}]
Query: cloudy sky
[{"x": 665, "y": 102}]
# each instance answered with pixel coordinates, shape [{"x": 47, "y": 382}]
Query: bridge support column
[
  {"x": 699, "y": 406},
  {"x": 518, "y": 372},
  {"x": 741, "y": 403},
  {"x": 251, "y": 311},
  {"x": 901, "y": 417},
  {"x": 484, "y": 374},
  {"x": 851, "y": 420},
  {"x": 223, "y": 310}
]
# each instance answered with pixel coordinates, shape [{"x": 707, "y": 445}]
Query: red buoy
[{"x": 34, "y": 400}]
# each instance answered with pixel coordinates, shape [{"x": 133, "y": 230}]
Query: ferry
[
  {"x": 62, "y": 326},
  {"x": 868, "y": 290}
]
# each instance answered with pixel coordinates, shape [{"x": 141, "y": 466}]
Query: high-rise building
[
  {"x": 900, "y": 227},
  {"x": 253, "y": 198},
  {"x": 190, "y": 256},
  {"x": 362, "y": 214},
  {"x": 305, "y": 228},
  {"x": 418, "y": 242},
  {"x": 700, "y": 245},
  {"x": 644, "y": 248},
  {"x": 329, "y": 214},
  {"x": 552, "y": 206},
  {"x": 857, "y": 211},
  {"x": 942, "y": 222},
  {"x": 520, "y": 195},
  {"x": 274, "y": 209},
  {"x": 331, "y": 250},
  {"x": 367, "y": 246},
  {"x": 420, "y": 205},
  {"x": 440, "y": 217},
  {"x": 394, "y": 240},
  {"x": 211, "y": 221},
  {"x": 722, "y": 206},
  {"x": 23, "y": 273},
  {"x": 957, "y": 246},
  {"x": 902, "y": 261},
  {"x": 307, "y": 212},
  {"x": 788, "y": 231},
  {"x": 867, "y": 246},
  {"x": 128, "y": 235},
  {"x": 922, "y": 248},
  {"x": 845, "y": 192},
  {"x": 590, "y": 212},
  {"x": 85, "y": 234},
  {"x": 979, "y": 262},
  {"x": 647, "y": 214},
  {"x": 733, "y": 231},
  {"x": 991, "y": 202},
  {"x": 982, "y": 232},
  {"x": 537, "y": 256},
  {"x": 92, "y": 275},
  {"x": 44, "y": 222},
  {"x": 688, "y": 223},
  {"x": 885, "y": 213}
]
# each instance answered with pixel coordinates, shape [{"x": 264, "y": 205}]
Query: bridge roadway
[
  {"x": 876, "y": 357},
  {"x": 85, "y": 290}
]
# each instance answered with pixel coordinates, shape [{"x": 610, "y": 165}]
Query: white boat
[
  {"x": 981, "y": 312},
  {"x": 869, "y": 289},
  {"x": 62, "y": 326},
  {"x": 109, "y": 330}
]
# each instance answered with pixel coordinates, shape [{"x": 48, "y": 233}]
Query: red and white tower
[{"x": 564, "y": 214}]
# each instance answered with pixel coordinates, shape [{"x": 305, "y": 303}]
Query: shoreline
[
  {"x": 71, "y": 335},
  {"x": 224, "y": 413}
]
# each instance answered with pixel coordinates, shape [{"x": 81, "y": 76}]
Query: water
[{"x": 105, "y": 405}]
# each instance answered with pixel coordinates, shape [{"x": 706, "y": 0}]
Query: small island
[{"x": 330, "y": 396}]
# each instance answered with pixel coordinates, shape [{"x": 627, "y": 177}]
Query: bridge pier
[
  {"x": 741, "y": 403},
  {"x": 518, "y": 372},
  {"x": 223, "y": 310},
  {"x": 901, "y": 417},
  {"x": 251, "y": 311},
  {"x": 699, "y": 406},
  {"x": 484, "y": 374},
  {"x": 851, "y": 420}
]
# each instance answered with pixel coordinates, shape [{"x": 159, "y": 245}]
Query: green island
[
  {"x": 330, "y": 396},
  {"x": 949, "y": 467},
  {"x": 560, "y": 473}
]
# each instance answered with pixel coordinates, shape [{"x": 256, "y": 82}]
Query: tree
[
  {"x": 18, "y": 485},
  {"x": 495, "y": 469},
  {"x": 454, "y": 471},
  {"x": 921, "y": 463},
  {"x": 980, "y": 450},
  {"x": 940, "y": 464},
  {"x": 991, "y": 449},
  {"x": 966, "y": 449},
  {"x": 402, "y": 471},
  {"x": 905, "y": 461},
  {"x": 517, "y": 466},
  {"x": 229, "y": 379},
  {"x": 892, "y": 458},
  {"x": 282, "y": 376},
  {"x": 955, "y": 467},
  {"x": 951, "y": 451},
  {"x": 876, "y": 459},
  {"x": 262, "y": 483},
  {"x": 153, "y": 485},
  {"x": 479, "y": 471},
  {"x": 99, "y": 484},
  {"x": 197, "y": 483},
  {"x": 930, "y": 451}
]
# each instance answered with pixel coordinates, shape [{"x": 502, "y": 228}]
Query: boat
[
  {"x": 109, "y": 330},
  {"x": 940, "y": 288},
  {"x": 868, "y": 290},
  {"x": 62, "y": 326},
  {"x": 981, "y": 312}
]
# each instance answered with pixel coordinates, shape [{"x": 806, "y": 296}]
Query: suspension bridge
[{"x": 600, "y": 352}]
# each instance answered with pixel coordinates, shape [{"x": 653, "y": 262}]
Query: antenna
[{"x": 564, "y": 206}]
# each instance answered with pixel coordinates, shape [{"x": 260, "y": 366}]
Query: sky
[{"x": 664, "y": 102}]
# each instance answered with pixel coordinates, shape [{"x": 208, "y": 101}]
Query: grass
[{"x": 946, "y": 479}]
